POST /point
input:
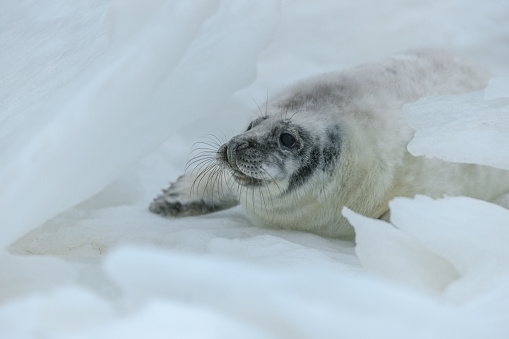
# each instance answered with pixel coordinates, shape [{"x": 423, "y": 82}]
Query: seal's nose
[{"x": 232, "y": 147}]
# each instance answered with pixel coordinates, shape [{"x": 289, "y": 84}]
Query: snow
[
  {"x": 453, "y": 246},
  {"x": 101, "y": 103},
  {"x": 122, "y": 101},
  {"x": 497, "y": 88},
  {"x": 448, "y": 125}
]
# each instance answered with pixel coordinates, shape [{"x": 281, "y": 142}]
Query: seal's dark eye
[
  {"x": 287, "y": 140},
  {"x": 250, "y": 126}
]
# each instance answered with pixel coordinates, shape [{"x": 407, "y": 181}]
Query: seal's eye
[
  {"x": 287, "y": 140},
  {"x": 250, "y": 126}
]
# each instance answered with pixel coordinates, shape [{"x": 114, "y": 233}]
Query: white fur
[{"x": 373, "y": 166}]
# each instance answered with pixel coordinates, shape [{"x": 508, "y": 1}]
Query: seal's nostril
[
  {"x": 241, "y": 145},
  {"x": 233, "y": 147}
]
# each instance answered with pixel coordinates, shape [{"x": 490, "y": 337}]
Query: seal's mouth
[
  {"x": 245, "y": 180},
  {"x": 240, "y": 177}
]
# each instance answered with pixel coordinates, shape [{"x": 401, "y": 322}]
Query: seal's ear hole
[{"x": 287, "y": 140}]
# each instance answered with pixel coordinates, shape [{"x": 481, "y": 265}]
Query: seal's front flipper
[{"x": 194, "y": 195}]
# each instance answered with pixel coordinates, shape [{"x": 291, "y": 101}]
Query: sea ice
[
  {"x": 498, "y": 87},
  {"x": 454, "y": 247},
  {"x": 142, "y": 89},
  {"x": 466, "y": 128}
]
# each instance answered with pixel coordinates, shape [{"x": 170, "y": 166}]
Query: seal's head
[
  {"x": 313, "y": 151},
  {"x": 282, "y": 153},
  {"x": 285, "y": 164}
]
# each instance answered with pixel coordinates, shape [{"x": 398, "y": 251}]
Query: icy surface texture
[
  {"x": 467, "y": 128},
  {"x": 497, "y": 88},
  {"x": 88, "y": 88},
  {"x": 135, "y": 95},
  {"x": 181, "y": 295},
  {"x": 451, "y": 248}
]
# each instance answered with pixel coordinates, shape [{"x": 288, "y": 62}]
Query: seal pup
[{"x": 336, "y": 139}]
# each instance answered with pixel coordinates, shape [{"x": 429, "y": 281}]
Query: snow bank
[
  {"x": 132, "y": 98},
  {"x": 451, "y": 248},
  {"x": 451, "y": 239},
  {"x": 467, "y": 128},
  {"x": 167, "y": 294}
]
